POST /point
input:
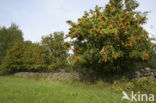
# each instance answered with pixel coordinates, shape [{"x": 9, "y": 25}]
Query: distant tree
[
  {"x": 57, "y": 51},
  {"x": 110, "y": 37},
  {"x": 13, "y": 61},
  {"x": 35, "y": 58},
  {"x": 25, "y": 56},
  {"x": 8, "y": 36}
]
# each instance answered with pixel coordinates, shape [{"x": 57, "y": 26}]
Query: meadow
[{"x": 24, "y": 90}]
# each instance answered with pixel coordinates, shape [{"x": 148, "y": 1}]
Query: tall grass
[{"x": 22, "y": 90}]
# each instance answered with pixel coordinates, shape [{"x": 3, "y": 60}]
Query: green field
[{"x": 22, "y": 90}]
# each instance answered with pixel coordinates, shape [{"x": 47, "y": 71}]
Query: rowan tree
[{"x": 110, "y": 36}]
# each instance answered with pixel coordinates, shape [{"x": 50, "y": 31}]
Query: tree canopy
[
  {"x": 110, "y": 36},
  {"x": 57, "y": 51},
  {"x": 47, "y": 56},
  {"x": 8, "y": 36}
]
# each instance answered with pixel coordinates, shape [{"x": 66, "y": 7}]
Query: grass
[{"x": 23, "y": 90}]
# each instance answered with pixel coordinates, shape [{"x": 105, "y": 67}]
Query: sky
[{"x": 37, "y": 18}]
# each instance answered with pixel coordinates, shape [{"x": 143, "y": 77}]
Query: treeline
[{"x": 49, "y": 55}]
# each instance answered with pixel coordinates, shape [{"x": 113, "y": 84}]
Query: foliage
[
  {"x": 145, "y": 85},
  {"x": 152, "y": 62},
  {"x": 8, "y": 36},
  {"x": 35, "y": 58},
  {"x": 25, "y": 56},
  {"x": 57, "y": 51},
  {"x": 117, "y": 87},
  {"x": 13, "y": 59},
  {"x": 48, "y": 56},
  {"x": 110, "y": 38}
]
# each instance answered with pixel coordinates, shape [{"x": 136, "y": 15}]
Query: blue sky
[{"x": 37, "y": 18}]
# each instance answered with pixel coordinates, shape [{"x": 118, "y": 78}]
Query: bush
[
  {"x": 143, "y": 85},
  {"x": 146, "y": 85},
  {"x": 116, "y": 87}
]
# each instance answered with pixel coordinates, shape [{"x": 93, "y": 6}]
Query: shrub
[
  {"x": 143, "y": 85},
  {"x": 117, "y": 87}
]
